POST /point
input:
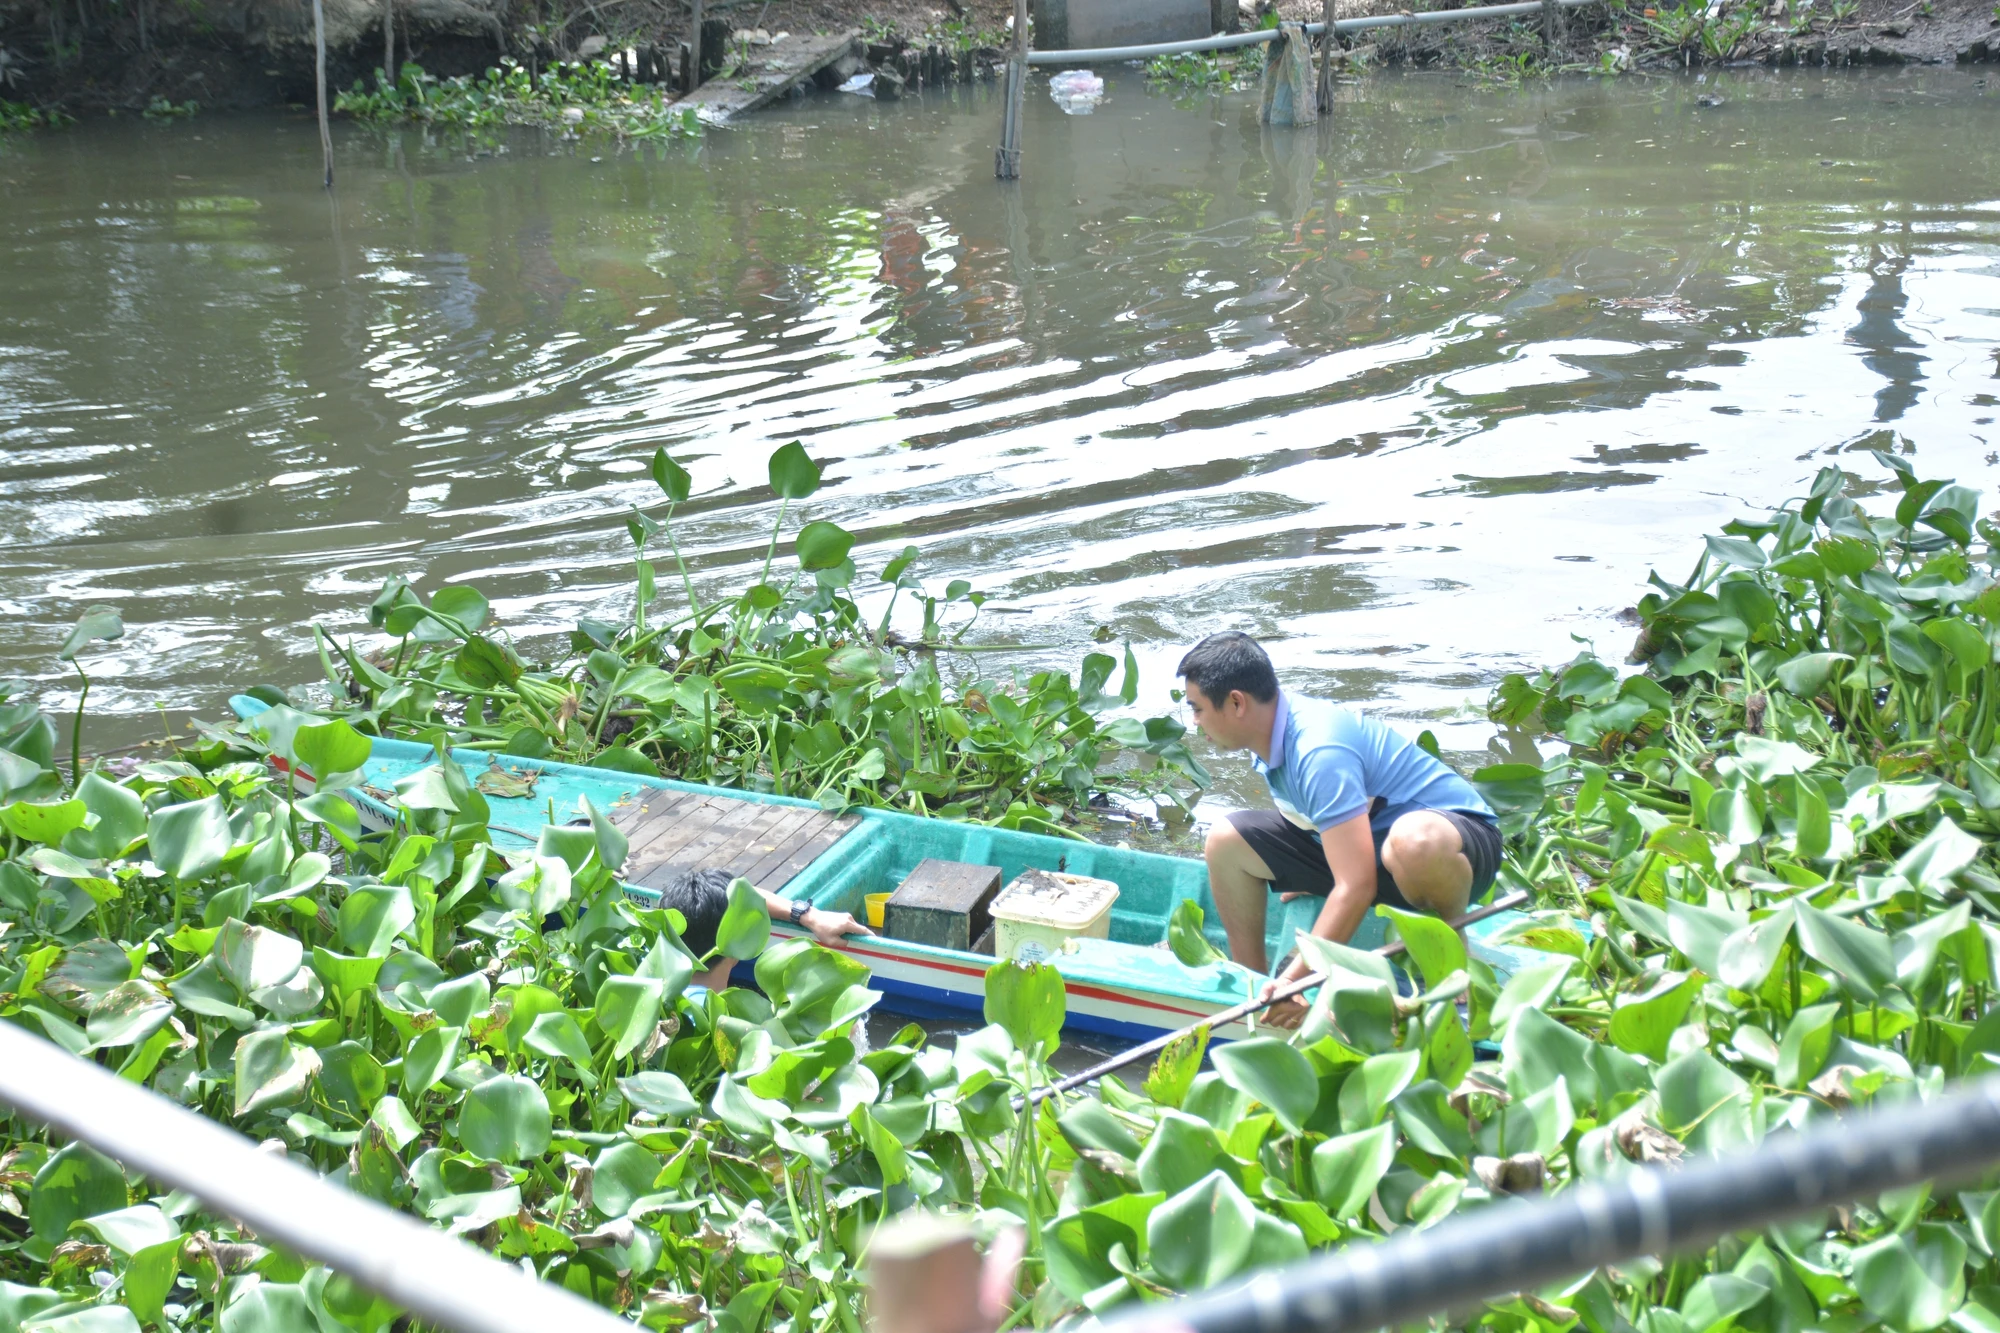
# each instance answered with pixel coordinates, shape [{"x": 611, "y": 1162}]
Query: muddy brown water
[{"x": 1418, "y": 396}]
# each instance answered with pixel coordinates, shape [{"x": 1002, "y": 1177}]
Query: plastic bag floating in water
[
  {"x": 1077, "y": 91},
  {"x": 860, "y": 83}
]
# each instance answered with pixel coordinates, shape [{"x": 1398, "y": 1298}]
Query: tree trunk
[{"x": 389, "y": 43}]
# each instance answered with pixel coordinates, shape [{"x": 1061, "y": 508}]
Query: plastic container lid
[{"x": 1065, "y": 902}]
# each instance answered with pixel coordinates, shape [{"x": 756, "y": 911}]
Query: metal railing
[
  {"x": 445, "y": 1281},
  {"x": 1519, "y": 1246},
  {"x": 1229, "y": 41}
]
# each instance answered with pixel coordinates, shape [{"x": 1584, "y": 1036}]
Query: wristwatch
[{"x": 799, "y": 909}]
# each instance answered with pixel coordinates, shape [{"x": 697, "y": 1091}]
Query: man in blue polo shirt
[{"x": 1364, "y": 815}]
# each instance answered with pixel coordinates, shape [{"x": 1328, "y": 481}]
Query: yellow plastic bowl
[{"x": 878, "y": 908}]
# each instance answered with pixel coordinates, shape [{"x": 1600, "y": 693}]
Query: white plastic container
[{"x": 1041, "y": 911}]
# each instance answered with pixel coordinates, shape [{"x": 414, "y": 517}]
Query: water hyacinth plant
[
  {"x": 581, "y": 97},
  {"x": 504, "y": 1045},
  {"x": 1766, "y": 889},
  {"x": 787, "y": 687}
]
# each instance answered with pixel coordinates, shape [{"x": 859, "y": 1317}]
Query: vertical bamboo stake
[
  {"x": 389, "y": 43},
  {"x": 1328, "y": 44},
  {"x": 1007, "y": 160},
  {"x": 319, "y": 74},
  {"x": 694, "y": 45}
]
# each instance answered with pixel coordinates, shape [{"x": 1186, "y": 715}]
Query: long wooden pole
[
  {"x": 1328, "y": 44},
  {"x": 694, "y": 46},
  {"x": 389, "y": 42},
  {"x": 319, "y": 75},
  {"x": 1248, "y": 1007},
  {"x": 1007, "y": 160}
]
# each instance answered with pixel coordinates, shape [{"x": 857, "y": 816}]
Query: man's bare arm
[
  {"x": 1350, "y": 855},
  {"x": 827, "y": 927}
]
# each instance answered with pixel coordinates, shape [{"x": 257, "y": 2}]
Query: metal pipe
[
  {"x": 1224, "y": 1017},
  {"x": 441, "y": 1280},
  {"x": 1230, "y": 41},
  {"x": 1519, "y": 1246}
]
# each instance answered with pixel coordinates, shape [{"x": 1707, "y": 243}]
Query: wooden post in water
[
  {"x": 925, "y": 1275},
  {"x": 1328, "y": 44},
  {"x": 319, "y": 76},
  {"x": 1007, "y": 159},
  {"x": 694, "y": 46}
]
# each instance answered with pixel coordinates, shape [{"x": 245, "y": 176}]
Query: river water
[{"x": 1417, "y": 396}]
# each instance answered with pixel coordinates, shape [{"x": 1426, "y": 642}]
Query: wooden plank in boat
[
  {"x": 829, "y": 833},
  {"x": 651, "y": 818},
  {"x": 683, "y": 825},
  {"x": 722, "y": 841},
  {"x": 764, "y": 842},
  {"x": 779, "y": 850}
]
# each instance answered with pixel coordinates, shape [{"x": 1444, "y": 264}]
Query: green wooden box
[{"x": 943, "y": 903}]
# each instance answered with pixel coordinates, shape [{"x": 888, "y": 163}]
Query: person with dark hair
[
  {"x": 702, "y": 896},
  {"x": 1364, "y": 814}
]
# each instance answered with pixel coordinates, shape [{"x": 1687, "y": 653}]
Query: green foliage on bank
[
  {"x": 580, "y": 97},
  {"x": 16, "y": 117},
  {"x": 1767, "y": 899}
]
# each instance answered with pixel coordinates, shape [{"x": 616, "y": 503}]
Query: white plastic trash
[
  {"x": 1076, "y": 91},
  {"x": 1041, "y": 912},
  {"x": 860, "y": 83}
]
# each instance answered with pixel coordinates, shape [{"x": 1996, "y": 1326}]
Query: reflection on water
[{"x": 1415, "y": 395}]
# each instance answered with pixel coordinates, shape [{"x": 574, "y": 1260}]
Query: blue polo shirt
[{"x": 1328, "y": 764}]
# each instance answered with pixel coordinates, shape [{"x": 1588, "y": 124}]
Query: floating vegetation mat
[{"x": 1766, "y": 891}]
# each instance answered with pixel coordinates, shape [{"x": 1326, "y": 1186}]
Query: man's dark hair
[
  {"x": 1229, "y": 661},
  {"x": 701, "y": 896}
]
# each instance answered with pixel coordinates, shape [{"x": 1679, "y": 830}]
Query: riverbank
[{"x": 250, "y": 55}]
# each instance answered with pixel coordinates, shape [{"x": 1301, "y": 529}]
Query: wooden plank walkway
[
  {"x": 774, "y": 71},
  {"x": 672, "y": 831}
]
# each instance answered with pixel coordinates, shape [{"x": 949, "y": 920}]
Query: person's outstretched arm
[{"x": 827, "y": 927}]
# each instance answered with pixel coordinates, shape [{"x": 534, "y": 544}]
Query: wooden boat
[{"x": 1128, "y": 987}]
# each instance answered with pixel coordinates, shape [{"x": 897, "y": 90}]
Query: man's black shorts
[{"x": 1298, "y": 863}]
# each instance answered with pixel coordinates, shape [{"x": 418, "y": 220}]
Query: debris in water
[
  {"x": 1077, "y": 91},
  {"x": 860, "y": 83}
]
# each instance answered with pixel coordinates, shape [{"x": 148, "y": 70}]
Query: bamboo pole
[
  {"x": 444, "y": 1281},
  {"x": 1290, "y": 989},
  {"x": 1522, "y": 1244},
  {"x": 694, "y": 45},
  {"x": 319, "y": 76},
  {"x": 389, "y": 42},
  {"x": 1328, "y": 44},
  {"x": 1007, "y": 159}
]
